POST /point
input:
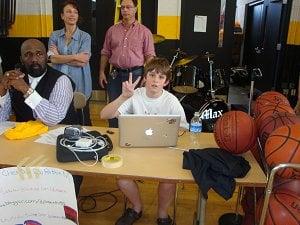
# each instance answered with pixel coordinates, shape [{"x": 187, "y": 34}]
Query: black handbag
[{"x": 67, "y": 151}]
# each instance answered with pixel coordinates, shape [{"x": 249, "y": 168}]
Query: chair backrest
[{"x": 79, "y": 100}]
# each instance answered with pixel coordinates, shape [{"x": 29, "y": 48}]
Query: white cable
[
  {"x": 100, "y": 141},
  {"x": 86, "y": 164}
]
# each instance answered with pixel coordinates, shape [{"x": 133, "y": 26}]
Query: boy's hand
[{"x": 128, "y": 86}]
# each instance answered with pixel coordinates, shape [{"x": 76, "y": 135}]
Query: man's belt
[{"x": 128, "y": 70}]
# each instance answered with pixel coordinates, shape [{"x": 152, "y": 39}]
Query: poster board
[{"x": 37, "y": 196}]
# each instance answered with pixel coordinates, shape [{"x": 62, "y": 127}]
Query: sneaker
[
  {"x": 164, "y": 221},
  {"x": 128, "y": 217}
]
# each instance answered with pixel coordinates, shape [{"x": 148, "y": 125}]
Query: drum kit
[{"x": 194, "y": 92}]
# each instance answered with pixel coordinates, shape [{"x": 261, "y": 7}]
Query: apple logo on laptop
[{"x": 149, "y": 132}]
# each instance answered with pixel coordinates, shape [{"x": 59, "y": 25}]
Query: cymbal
[
  {"x": 185, "y": 89},
  {"x": 185, "y": 60},
  {"x": 179, "y": 51},
  {"x": 158, "y": 38}
]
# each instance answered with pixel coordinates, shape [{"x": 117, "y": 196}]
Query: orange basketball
[
  {"x": 283, "y": 208},
  {"x": 269, "y": 97},
  {"x": 235, "y": 132},
  {"x": 283, "y": 146},
  {"x": 272, "y": 122},
  {"x": 290, "y": 185},
  {"x": 271, "y": 109}
]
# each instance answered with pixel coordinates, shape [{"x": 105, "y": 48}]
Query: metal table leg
[{"x": 201, "y": 205}]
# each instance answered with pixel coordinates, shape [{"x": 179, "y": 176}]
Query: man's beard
[{"x": 36, "y": 70}]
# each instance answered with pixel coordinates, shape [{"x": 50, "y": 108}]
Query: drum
[
  {"x": 210, "y": 109},
  {"x": 186, "y": 80}
]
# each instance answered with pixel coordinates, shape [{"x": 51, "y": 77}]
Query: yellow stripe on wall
[
  {"x": 294, "y": 26},
  {"x": 294, "y": 33},
  {"x": 168, "y": 18},
  {"x": 32, "y": 26},
  {"x": 169, "y": 26}
]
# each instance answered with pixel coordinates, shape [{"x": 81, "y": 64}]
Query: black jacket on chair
[{"x": 215, "y": 168}]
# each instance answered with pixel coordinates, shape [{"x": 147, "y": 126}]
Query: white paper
[
  {"x": 4, "y": 126},
  {"x": 50, "y": 137},
  {"x": 46, "y": 196},
  {"x": 200, "y": 23}
]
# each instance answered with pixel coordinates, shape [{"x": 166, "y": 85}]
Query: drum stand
[
  {"x": 178, "y": 74},
  {"x": 175, "y": 57},
  {"x": 256, "y": 73},
  {"x": 212, "y": 91}
]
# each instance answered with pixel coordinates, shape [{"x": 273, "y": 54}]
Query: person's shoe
[
  {"x": 128, "y": 217},
  {"x": 164, "y": 221}
]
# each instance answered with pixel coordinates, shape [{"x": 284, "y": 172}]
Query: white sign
[
  {"x": 46, "y": 197},
  {"x": 200, "y": 23}
]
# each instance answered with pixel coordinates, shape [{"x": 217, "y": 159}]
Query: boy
[{"x": 151, "y": 99}]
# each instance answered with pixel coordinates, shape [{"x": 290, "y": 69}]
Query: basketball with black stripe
[
  {"x": 274, "y": 121},
  {"x": 269, "y": 97},
  {"x": 283, "y": 209},
  {"x": 270, "y": 110},
  {"x": 235, "y": 132},
  {"x": 283, "y": 146},
  {"x": 286, "y": 184}
]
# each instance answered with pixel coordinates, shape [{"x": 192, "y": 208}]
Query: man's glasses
[{"x": 127, "y": 7}]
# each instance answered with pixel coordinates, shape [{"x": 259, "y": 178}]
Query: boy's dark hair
[
  {"x": 69, "y": 2},
  {"x": 160, "y": 65}
]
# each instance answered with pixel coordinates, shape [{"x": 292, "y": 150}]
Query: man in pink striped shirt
[{"x": 128, "y": 45}]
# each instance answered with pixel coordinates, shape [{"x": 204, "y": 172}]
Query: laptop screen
[{"x": 148, "y": 130}]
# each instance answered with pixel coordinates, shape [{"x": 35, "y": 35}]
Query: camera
[{"x": 73, "y": 132}]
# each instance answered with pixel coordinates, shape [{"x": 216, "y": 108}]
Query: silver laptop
[{"x": 148, "y": 130}]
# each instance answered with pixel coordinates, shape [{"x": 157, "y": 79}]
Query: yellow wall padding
[
  {"x": 33, "y": 19},
  {"x": 294, "y": 26},
  {"x": 168, "y": 18},
  {"x": 294, "y": 33},
  {"x": 169, "y": 27},
  {"x": 32, "y": 26}
]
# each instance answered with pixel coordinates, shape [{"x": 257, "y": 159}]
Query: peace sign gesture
[{"x": 128, "y": 86}]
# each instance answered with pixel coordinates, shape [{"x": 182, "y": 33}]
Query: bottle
[{"x": 195, "y": 127}]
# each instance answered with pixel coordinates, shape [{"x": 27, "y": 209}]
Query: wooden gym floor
[{"x": 186, "y": 203}]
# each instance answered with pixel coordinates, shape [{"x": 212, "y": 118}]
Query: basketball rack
[
  {"x": 235, "y": 218},
  {"x": 269, "y": 188}
]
